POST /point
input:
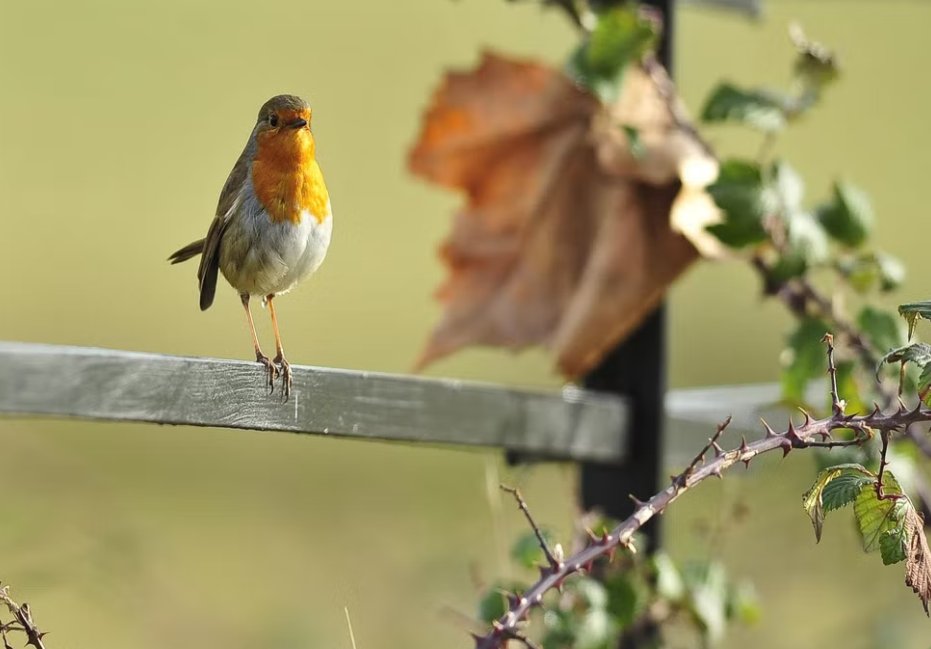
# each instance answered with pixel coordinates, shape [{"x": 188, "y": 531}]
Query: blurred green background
[{"x": 120, "y": 123}]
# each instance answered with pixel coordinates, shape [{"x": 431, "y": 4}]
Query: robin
[{"x": 273, "y": 222}]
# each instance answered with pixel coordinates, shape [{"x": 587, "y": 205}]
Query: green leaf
[
  {"x": 882, "y": 329},
  {"x": 744, "y": 199},
  {"x": 494, "y": 603},
  {"x": 815, "y": 65},
  {"x": 876, "y": 517},
  {"x": 819, "y": 499},
  {"x": 844, "y": 488},
  {"x": 577, "y": 69},
  {"x": 621, "y": 36},
  {"x": 743, "y": 604},
  {"x": 669, "y": 582},
  {"x": 848, "y": 217},
  {"x": 595, "y": 630},
  {"x": 788, "y": 266},
  {"x": 813, "y": 504},
  {"x": 864, "y": 271},
  {"x": 592, "y": 593},
  {"x": 807, "y": 246},
  {"x": 913, "y": 312},
  {"x": 590, "y": 627},
  {"x": 805, "y": 358},
  {"x": 560, "y": 628},
  {"x": 624, "y": 598},
  {"x": 761, "y": 109},
  {"x": 893, "y": 545},
  {"x": 860, "y": 272},
  {"x": 527, "y": 551},
  {"x": 709, "y": 602},
  {"x": 790, "y": 188},
  {"x": 916, "y": 353},
  {"x": 924, "y": 382},
  {"x": 806, "y": 240},
  {"x": 891, "y": 271}
]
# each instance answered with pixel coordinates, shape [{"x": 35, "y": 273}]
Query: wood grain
[{"x": 104, "y": 384}]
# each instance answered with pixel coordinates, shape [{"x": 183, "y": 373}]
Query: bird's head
[{"x": 282, "y": 131}]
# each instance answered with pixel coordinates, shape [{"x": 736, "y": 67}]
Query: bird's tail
[{"x": 188, "y": 251}]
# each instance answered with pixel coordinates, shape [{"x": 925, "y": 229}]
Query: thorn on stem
[
  {"x": 902, "y": 407},
  {"x": 807, "y": 417},
  {"x": 769, "y": 431},
  {"x": 742, "y": 450}
]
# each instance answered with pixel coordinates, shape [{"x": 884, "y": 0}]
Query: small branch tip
[{"x": 555, "y": 564}]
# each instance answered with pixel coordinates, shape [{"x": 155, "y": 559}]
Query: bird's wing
[{"x": 230, "y": 197}]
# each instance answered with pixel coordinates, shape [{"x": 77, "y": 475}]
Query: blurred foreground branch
[
  {"x": 22, "y": 622},
  {"x": 812, "y": 433}
]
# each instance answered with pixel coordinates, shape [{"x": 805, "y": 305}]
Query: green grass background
[{"x": 120, "y": 121}]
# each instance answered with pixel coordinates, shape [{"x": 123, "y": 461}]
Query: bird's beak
[{"x": 298, "y": 123}]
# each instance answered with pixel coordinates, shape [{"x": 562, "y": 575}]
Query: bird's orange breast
[{"x": 287, "y": 179}]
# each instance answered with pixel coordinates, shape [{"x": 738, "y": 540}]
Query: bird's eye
[{"x": 273, "y": 121}]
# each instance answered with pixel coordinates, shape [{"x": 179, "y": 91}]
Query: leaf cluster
[{"x": 624, "y": 597}]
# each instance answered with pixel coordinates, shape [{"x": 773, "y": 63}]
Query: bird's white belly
[{"x": 260, "y": 257}]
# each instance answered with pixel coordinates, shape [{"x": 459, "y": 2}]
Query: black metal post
[{"x": 637, "y": 370}]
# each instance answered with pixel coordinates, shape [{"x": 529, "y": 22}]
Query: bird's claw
[
  {"x": 284, "y": 368},
  {"x": 270, "y": 367}
]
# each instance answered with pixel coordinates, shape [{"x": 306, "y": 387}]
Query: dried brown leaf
[
  {"x": 565, "y": 238},
  {"x": 918, "y": 568}
]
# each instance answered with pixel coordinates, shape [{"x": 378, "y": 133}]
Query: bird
[{"x": 273, "y": 221}]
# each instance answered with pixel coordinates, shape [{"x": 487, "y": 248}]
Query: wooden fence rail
[
  {"x": 130, "y": 386},
  {"x": 568, "y": 424}
]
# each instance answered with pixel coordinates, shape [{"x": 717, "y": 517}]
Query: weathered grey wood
[
  {"x": 572, "y": 424},
  {"x": 128, "y": 386}
]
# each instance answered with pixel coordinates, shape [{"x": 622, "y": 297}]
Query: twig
[
  {"x": 550, "y": 557},
  {"x": 667, "y": 90},
  {"x": 800, "y": 297},
  {"x": 883, "y": 463},
  {"x": 23, "y": 617},
  {"x": 700, "y": 457},
  {"x": 804, "y": 436},
  {"x": 836, "y": 406},
  {"x": 520, "y": 637}
]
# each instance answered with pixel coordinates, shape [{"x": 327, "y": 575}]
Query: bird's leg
[
  {"x": 259, "y": 356},
  {"x": 280, "y": 361}
]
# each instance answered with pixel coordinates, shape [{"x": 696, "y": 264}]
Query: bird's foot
[
  {"x": 270, "y": 367},
  {"x": 284, "y": 367}
]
